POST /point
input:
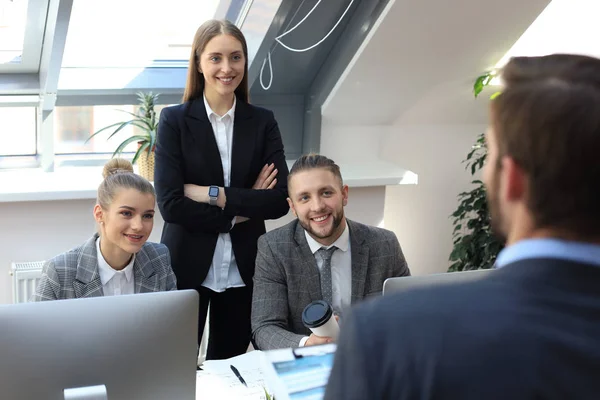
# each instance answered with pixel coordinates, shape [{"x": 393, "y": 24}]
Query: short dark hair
[
  {"x": 547, "y": 119},
  {"x": 313, "y": 161}
]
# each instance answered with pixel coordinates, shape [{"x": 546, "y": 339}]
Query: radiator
[{"x": 25, "y": 277}]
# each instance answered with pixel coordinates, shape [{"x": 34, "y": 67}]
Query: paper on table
[
  {"x": 211, "y": 386},
  {"x": 247, "y": 361},
  {"x": 217, "y": 375}
]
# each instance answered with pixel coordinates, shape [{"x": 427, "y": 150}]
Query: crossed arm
[{"x": 267, "y": 179}]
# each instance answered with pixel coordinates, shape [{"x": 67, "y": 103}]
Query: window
[
  {"x": 13, "y": 16},
  {"x": 74, "y": 125},
  {"x": 140, "y": 33},
  {"x": 18, "y": 131},
  {"x": 565, "y": 26}
]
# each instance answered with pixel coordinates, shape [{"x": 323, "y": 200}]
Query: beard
[{"x": 337, "y": 218}]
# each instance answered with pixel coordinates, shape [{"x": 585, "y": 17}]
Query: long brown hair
[{"x": 194, "y": 87}]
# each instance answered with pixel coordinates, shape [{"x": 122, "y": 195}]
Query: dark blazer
[
  {"x": 530, "y": 330},
  {"x": 287, "y": 278},
  {"x": 187, "y": 152},
  {"x": 75, "y": 274}
]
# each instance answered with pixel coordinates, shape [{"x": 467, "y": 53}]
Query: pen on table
[{"x": 237, "y": 373}]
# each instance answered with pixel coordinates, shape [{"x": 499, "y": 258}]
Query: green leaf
[
  {"x": 126, "y": 142},
  {"x": 478, "y": 85},
  {"x": 123, "y": 125},
  {"x": 142, "y": 120},
  {"x": 103, "y": 129},
  {"x": 139, "y": 151}
]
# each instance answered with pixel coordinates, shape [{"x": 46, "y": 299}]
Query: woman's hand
[{"x": 267, "y": 178}]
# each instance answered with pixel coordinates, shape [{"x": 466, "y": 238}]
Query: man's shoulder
[
  {"x": 433, "y": 309},
  {"x": 371, "y": 233},
  {"x": 283, "y": 234}
]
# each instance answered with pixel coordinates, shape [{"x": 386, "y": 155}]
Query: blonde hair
[
  {"x": 118, "y": 174},
  {"x": 194, "y": 86}
]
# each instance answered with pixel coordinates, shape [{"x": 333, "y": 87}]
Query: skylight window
[
  {"x": 134, "y": 33},
  {"x": 13, "y": 18},
  {"x": 565, "y": 26}
]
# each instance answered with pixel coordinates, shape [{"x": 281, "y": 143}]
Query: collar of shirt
[
  {"x": 107, "y": 272},
  {"x": 341, "y": 243},
  {"x": 586, "y": 253},
  {"x": 210, "y": 112}
]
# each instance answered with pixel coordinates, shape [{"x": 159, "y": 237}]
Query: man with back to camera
[
  {"x": 321, "y": 255},
  {"x": 531, "y": 329}
]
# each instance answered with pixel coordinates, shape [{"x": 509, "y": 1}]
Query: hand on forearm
[{"x": 267, "y": 178}]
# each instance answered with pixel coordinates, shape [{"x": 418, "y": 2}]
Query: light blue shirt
[{"x": 580, "y": 252}]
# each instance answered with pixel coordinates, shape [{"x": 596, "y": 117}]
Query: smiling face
[
  {"x": 222, "y": 64},
  {"x": 317, "y": 198},
  {"x": 127, "y": 222}
]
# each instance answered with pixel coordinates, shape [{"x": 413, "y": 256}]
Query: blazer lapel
[
  {"x": 244, "y": 142},
  {"x": 202, "y": 137},
  {"x": 145, "y": 277},
  {"x": 311, "y": 280},
  {"x": 87, "y": 279},
  {"x": 360, "y": 261}
]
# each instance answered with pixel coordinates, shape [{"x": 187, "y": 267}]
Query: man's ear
[
  {"x": 515, "y": 179},
  {"x": 291, "y": 204},
  {"x": 345, "y": 195}
]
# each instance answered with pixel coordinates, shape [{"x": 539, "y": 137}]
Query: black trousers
[{"x": 229, "y": 331}]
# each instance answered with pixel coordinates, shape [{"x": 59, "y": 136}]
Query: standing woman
[{"x": 220, "y": 171}]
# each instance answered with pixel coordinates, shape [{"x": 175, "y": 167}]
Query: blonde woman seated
[{"x": 117, "y": 260}]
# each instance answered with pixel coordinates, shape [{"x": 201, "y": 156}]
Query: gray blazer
[
  {"x": 74, "y": 274},
  {"x": 287, "y": 279}
]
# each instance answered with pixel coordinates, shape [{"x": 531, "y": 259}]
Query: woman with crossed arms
[{"x": 220, "y": 172}]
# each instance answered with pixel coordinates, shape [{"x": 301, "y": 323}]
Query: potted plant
[
  {"x": 145, "y": 119},
  {"x": 475, "y": 245}
]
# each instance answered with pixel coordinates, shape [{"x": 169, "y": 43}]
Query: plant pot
[{"x": 145, "y": 164}]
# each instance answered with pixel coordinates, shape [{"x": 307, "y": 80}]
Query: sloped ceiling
[{"x": 419, "y": 64}]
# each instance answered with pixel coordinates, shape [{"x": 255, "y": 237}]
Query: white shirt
[
  {"x": 341, "y": 270},
  {"x": 115, "y": 283},
  {"x": 223, "y": 272}
]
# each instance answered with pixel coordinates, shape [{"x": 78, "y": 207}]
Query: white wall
[
  {"x": 418, "y": 214},
  {"x": 33, "y": 231}
]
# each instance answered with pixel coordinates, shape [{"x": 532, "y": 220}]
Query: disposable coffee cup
[{"x": 318, "y": 317}]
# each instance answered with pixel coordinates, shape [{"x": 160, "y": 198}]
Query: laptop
[{"x": 392, "y": 285}]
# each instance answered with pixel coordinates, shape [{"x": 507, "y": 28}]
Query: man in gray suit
[{"x": 319, "y": 256}]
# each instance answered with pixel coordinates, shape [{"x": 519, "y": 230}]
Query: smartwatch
[{"x": 213, "y": 194}]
